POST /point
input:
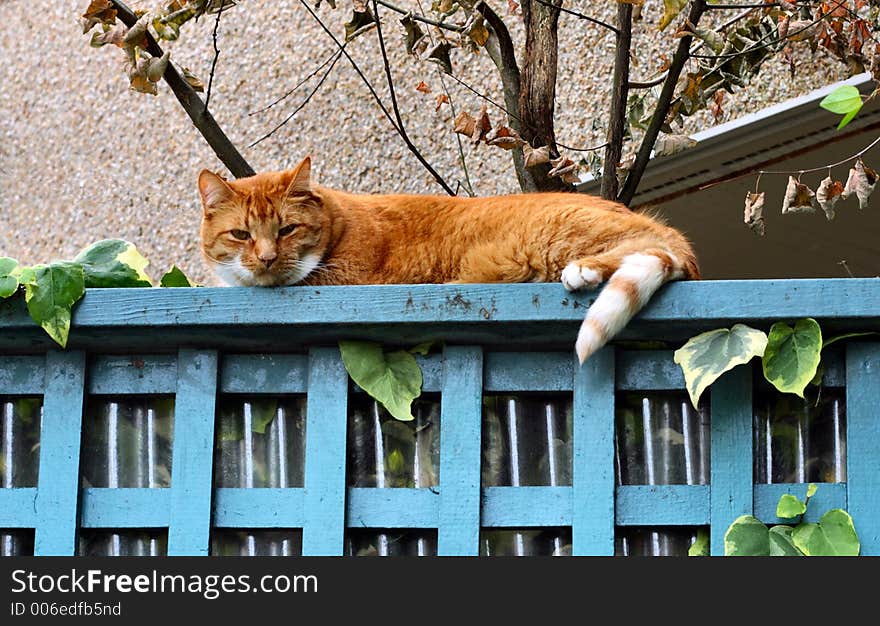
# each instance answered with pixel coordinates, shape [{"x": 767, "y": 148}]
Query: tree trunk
[
  {"x": 538, "y": 85},
  {"x": 619, "y": 94}
]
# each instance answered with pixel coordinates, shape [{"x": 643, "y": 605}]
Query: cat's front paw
[{"x": 575, "y": 277}]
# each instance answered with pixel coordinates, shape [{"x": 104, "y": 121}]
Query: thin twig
[
  {"x": 193, "y": 105},
  {"x": 421, "y": 18},
  {"x": 214, "y": 61},
  {"x": 824, "y": 167},
  {"x": 401, "y": 127},
  {"x": 301, "y": 104},
  {"x": 332, "y": 58},
  {"x": 580, "y": 16},
  {"x": 619, "y": 94},
  {"x": 371, "y": 89}
]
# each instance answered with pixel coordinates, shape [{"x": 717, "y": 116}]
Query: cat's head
[{"x": 268, "y": 229}]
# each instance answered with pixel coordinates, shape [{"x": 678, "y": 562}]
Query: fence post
[
  {"x": 60, "y": 436},
  {"x": 193, "y": 453},
  {"x": 461, "y": 419},
  {"x": 731, "y": 478},
  {"x": 326, "y": 426},
  {"x": 592, "y": 528}
]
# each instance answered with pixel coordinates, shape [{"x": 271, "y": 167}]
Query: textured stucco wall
[{"x": 83, "y": 158}]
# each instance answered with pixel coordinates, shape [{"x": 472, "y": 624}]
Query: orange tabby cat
[{"x": 279, "y": 228}]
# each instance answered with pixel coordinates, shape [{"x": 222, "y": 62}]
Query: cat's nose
[{"x": 268, "y": 259}]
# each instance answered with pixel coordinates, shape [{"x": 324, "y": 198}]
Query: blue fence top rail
[
  {"x": 481, "y": 313},
  {"x": 199, "y": 345}
]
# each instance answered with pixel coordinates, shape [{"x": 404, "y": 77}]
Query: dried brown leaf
[
  {"x": 565, "y": 169},
  {"x": 827, "y": 195},
  {"x": 861, "y": 182},
  {"x": 137, "y": 34},
  {"x": 442, "y": 99},
  {"x": 464, "y": 124},
  {"x": 482, "y": 126},
  {"x": 98, "y": 12},
  {"x": 192, "y": 80},
  {"x": 108, "y": 35},
  {"x": 536, "y": 156},
  {"x": 512, "y": 7},
  {"x": 504, "y": 137},
  {"x": 754, "y": 212},
  {"x": 423, "y": 87},
  {"x": 478, "y": 33},
  {"x": 413, "y": 33},
  {"x": 670, "y": 144},
  {"x": 802, "y": 30},
  {"x": 798, "y": 198},
  {"x": 439, "y": 54},
  {"x": 361, "y": 22}
]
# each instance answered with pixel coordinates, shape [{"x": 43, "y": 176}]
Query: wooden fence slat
[
  {"x": 461, "y": 408},
  {"x": 592, "y": 529},
  {"x": 731, "y": 477},
  {"x": 58, "y": 486},
  {"x": 862, "y": 435},
  {"x": 192, "y": 460},
  {"x": 326, "y": 426}
]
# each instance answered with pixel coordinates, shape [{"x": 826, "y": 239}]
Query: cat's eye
[
  {"x": 242, "y": 235},
  {"x": 286, "y": 230}
]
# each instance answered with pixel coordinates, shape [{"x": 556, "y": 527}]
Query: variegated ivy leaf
[
  {"x": 113, "y": 263},
  {"x": 792, "y": 355},
  {"x": 10, "y": 271},
  {"x": 50, "y": 292},
  {"x": 708, "y": 355}
]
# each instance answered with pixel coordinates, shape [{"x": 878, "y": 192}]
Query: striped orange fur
[{"x": 278, "y": 228}]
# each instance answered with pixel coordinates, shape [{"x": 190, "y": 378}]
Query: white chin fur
[{"x": 234, "y": 274}]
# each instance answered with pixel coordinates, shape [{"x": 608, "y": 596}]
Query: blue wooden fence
[{"x": 198, "y": 343}]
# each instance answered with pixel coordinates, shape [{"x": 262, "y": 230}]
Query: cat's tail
[{"x": 628, "y": 289}]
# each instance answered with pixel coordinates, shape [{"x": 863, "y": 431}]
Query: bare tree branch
[
  {"x": 682, "y": 53},
  {"x": 421, "y": 18},
  {"x": 193, "y": 105},
  {"x": 619, "y": 95},
  {"x": 216, "y": 58},
  {"x": 401, "y": 127}
]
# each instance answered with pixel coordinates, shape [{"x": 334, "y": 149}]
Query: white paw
[{"x": 575, "y": 277}]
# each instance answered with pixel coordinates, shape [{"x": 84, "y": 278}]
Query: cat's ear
[
  {"x": 214, "y": 190},
  {"x": 301, "y": 178}
]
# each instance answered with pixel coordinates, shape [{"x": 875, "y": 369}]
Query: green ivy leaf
[
  {"x": 790, "y": 507},
  {"x": 10, "y": 271},
  {"x": 392, "y": 378},
  {"x": 50, "y": 292},
  {"x": 113, "y": 263},
  {"x": 700, "y": 546},
  {"x": 747, "y": 536},
  {"x": 781, "y": 543},
  {"x": 846, "y": 101},
  {"x": 175, "y": 278},
  {"x": 834, "y": 535},
  {"x": 811, "y": 490},
  {"x": 422, "y": 348},
  {"x": 708, "y": 355},
  {"x": 792, "y": 355}
]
